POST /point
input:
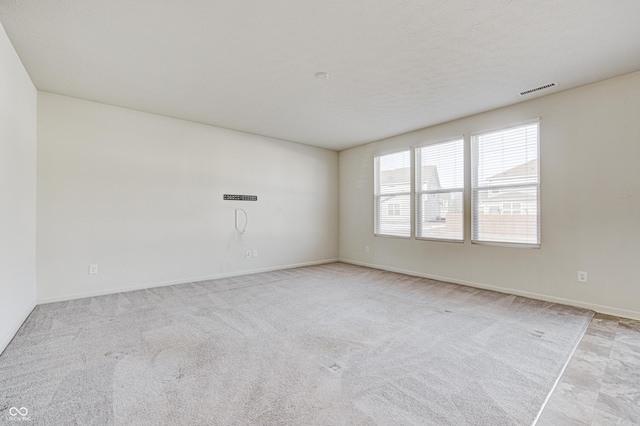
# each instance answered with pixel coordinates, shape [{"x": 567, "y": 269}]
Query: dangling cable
[{"x": 246, "y": 220}]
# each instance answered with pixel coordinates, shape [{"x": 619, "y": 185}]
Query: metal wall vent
[{"x": 536, "y": 89}]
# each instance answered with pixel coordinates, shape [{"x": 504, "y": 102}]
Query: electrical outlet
[
  {"x": 255, "y": 253},
  {"x": 582, "y": 276},
  {"x": 366, "y": 249},
  {"x": 93, "y": 269},
  {"x": 248, "y": 254}
]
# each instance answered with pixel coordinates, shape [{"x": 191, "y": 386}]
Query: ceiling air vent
[{"x": 537, "y": 89}]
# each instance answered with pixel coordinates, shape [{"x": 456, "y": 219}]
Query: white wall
[
  {"x": 141, "y": 196},
  {"x": 590, "y": 204},
  {"x": 17, "y": 192}
]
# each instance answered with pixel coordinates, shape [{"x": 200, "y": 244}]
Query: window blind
[
  {"x": 393, "y": 194},
  {"x": 440, "y": 191},
  {"x": 505, "y": 186}
]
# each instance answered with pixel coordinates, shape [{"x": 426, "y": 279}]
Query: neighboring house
[
  {"x": 396, "y": 208},
  {"x": 434, "y": 206},
  {"x": 395, "y": 190},
  {"x": 518, "y": 201},
  {"x": 395, "y": 193}
]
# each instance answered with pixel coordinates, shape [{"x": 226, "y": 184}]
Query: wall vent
[{"x": 537, "y": 89}]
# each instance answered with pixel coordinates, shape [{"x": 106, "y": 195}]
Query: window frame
[
  {"x": 475, "y": 189},
  {"x": 377, "y": 196},
  {"x": 417, "y": 182}
]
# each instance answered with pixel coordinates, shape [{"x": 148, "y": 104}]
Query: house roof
[
  {"x": 528, "y": 169},
  {"x": 402, "y": 176}
]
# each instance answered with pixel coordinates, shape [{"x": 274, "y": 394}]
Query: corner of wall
[{"x": 18, "y": 107}]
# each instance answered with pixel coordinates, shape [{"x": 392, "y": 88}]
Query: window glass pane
[
  {"x": 392, "y": 194},
  {"x": 498, "y": 219},
  {"x": 507, "y": 157},
  {"x": 440, "y": 216},
  {"x": 441, "y": 166},
  {"x": 394, "y": 173},
  {"x": 394, "y": 218},
  {"x": 505, "y": 186},
  {"x": 439, "y": 187}
]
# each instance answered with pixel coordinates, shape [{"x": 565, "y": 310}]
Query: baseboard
[
  {"x": 21, "y": 319},
  {"x": 609, "y": 310},
  {"x": 67, "y": 297}
]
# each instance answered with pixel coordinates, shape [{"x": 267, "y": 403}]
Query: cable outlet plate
[{"x": 582, "y": 277}]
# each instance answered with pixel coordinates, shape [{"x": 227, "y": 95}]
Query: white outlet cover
[
  {"x": 255, "y": 253},
  {"x": 582, "y": 276},
  {"x": 93, "y": 269}
]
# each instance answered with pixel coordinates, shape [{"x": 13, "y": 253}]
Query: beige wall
[
  {"x": 17, "y": 192},
  {"x": 141, "y": 196},
  {"x": 590, "y": 204}
]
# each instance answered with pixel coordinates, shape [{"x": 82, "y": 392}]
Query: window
[
  {"x": 394, "y": 209},
  {"x": 440, "y": 191},
  {"x": 393, "y": 194},
  {"x": 510, "y": 208},
  {"x": 505, "y": 192}
]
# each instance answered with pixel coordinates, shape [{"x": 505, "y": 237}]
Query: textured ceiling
[{"x": 395, "y": 65}]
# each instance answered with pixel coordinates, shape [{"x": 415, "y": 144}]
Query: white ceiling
[{"x": 395, "y": 65}]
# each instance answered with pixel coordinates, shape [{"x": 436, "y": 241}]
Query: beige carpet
[{"x": 327, "y": 345}]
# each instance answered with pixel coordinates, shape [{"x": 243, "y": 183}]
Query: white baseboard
[
  {"x": 609, "y": 310},
  {"x": 67, "y": 297},
  {"x": 21, "y": 319}
]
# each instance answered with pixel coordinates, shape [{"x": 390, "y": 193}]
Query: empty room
[{"x": 339, "y": 213}]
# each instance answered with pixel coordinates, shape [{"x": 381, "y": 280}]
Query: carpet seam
[{"x": 555, "y": 384}]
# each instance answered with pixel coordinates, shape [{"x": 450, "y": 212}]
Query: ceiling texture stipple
[{"x": 395, "y": 65}]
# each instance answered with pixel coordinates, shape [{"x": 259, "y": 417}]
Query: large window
[
  {"x": 440, "y": 191},
  {"x": 393, "y": 194},
  {"x": 505, "y": 192}
]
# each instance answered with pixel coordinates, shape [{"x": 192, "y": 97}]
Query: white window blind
[
  {"x": 393, "y": 194},
  {"x": 440, "y": 191},
  {"x": 505, "y": 186}
]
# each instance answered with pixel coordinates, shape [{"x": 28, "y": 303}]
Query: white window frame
[
  {"x": 476, "y": 189},
  {"x": 377, "y": 196},
  {"x": 419, "y": 192}
]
